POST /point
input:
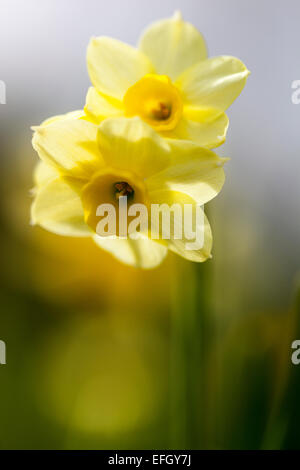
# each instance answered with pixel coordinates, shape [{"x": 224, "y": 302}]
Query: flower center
[
  {"x": 123, "y": 189},
  {"x": 162, "y": 112},
  {"x": 156, "y": 100},
  {"x": 107, "y": 188}
]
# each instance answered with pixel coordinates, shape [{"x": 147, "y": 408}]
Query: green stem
[{"x": 188, "y": 319}]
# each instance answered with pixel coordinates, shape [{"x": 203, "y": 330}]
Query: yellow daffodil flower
[
  {"x": 84, "y": 165},
  {"x": 168, "y": 82}
]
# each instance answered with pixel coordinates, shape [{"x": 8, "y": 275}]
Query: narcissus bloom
[
  {"x": 84, "y": 165},
  {"x": 168, "y": 81}
]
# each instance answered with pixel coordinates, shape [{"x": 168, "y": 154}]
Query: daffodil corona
[
  {"x": 168, "y": 82},
  {"x": 84, "y": 165}
]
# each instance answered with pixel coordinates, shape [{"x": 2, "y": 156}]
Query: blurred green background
[{"x": 104, "y": 356}]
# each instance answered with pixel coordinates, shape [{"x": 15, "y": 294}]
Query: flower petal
[
  {"x": 70, "y": 146},
  {"x": 43, "y": 174},
  {"x": 173, "y": 45},
  {"x": 199, "y": 256},
  {"x": 132, "y": 145},
  {"x": 99, "y": 107},
  {"x": 78, "y": 114},
  {"x": 58, "y": 208},
  {"x": 141, "y": 253},
  {"x": 114, "y": 66},
  {"x": 208, "y": 134},
  {"x": 215, "y": 82},
  {"x": 201, "y": 239},
  {"x": 194, "y": 171}
]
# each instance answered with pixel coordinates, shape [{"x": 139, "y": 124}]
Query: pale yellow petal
[
  {"x": 58, "y": 208},
  {"x": 141, "y": 253},
  {"x": 70, "y": 146},
  {"x": 99, "y": 107},
  {"x": 43, "y": 174},
  {"x": 79, "y": 114},
  {"x": 209, "y": 134},
  {"x": 213, "y": 83},
  {"x": 185, "y": 244},
  {"x": 173, "y": 45},
  {"x": 194, "y": 171},
  {"x": 132, "y": 145},
  {"x": 115, "y": 66},
  {"x": 198, "y": 256}
]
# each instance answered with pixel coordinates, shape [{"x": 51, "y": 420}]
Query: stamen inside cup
[{"x": 123, "y": 189}]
